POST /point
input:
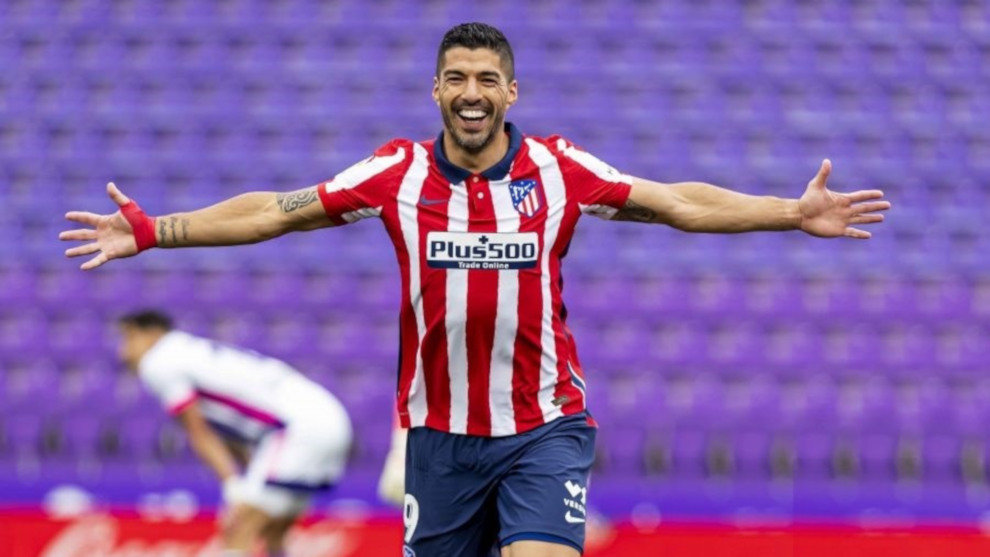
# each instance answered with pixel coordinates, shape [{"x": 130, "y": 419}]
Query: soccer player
[
  {"x": 296, "y": 433},
  {"x": 490, "y": 386}
]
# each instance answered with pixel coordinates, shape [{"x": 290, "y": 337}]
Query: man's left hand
[{"x": 830, "y": 214}]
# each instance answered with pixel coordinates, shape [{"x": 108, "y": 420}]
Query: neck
[
  {"x": 482, "y": 160},
  {"x": 148, "y": 343}
]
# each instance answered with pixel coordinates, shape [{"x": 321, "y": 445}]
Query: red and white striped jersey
[{"x": 484, "y": 347}]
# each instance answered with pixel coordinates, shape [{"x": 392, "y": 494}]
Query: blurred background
[{"x": 768, "y": 378}]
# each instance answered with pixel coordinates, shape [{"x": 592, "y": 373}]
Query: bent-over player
[{"x": 296, "y": 433}]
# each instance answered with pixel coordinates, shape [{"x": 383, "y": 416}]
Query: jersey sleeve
[
  {"x": 598, "y": 189},
  {"x": 170, "y": 384},
  {"x": 363, "y": 189}
]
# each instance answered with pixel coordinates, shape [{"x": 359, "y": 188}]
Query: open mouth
[{"x": 472, "y": 119}]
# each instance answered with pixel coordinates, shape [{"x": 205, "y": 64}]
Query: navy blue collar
[{"x": 456, "y": 174}]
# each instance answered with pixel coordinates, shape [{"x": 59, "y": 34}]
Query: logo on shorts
[
  {"x": 408, "y": 551},
  {"x": 572, "y": 519},
  {"x": 576, "y": 502}
]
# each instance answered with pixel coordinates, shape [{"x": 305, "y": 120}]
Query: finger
[
  {"x": 78, "y": 234},
  {"x": 83, "y": 217},
  {"x": 864, "y": 195},
  {"x": 83, "y": 250},
  {"x": 94, "y": 262},
  {"x": 866, "y": 219},
  {"x": 871, "y": 207},
  {"x": 116, "y": 195},
  {"x": 857, "y": 233},
  {"x": 821, "y": 178}
]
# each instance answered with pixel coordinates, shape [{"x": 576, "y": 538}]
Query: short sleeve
[
  {"x": 173, "y": 388},
  {"x": 363, "y": 189},
  {"x": 599, "y": 189}
]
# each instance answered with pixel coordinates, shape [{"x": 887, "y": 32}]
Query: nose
[{"x": 471, "y": 91}]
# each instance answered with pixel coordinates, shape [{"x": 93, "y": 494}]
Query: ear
[
  {"x": 436, "y": 90},
  {"x": 513, "y": 93}
]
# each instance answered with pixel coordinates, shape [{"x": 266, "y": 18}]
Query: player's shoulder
[
  {"x": 172, "y": 348},
  {"x": 391, "y": 159},
  {"x": 385, "y": 165},
  {"x": 574, "y": 161},
  {"x": 159, "y": 362},
  {"x": 556, "y": 143},
  {"x": 394, "y": 146}
]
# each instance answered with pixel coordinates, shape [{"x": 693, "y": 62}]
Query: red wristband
[{"x": 142, "y": 224}]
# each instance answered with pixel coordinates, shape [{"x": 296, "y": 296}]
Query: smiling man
[{"x": 500, "y": 444}]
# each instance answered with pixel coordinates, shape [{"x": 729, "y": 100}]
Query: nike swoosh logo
[
  {"x": 425, "y": 201},
  {"x": 572, "y": 519}
]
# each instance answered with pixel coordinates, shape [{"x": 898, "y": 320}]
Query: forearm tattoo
[
  {"x": 289, "y": 202},
  {"x": 168, "y": 234},
  {"x": 633, "y": 211}
]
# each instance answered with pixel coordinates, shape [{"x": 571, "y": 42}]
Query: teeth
[{"x": 472, "y": 114}]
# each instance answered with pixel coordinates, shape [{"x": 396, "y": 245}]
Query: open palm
[
  {"x": 830, "y": 214},
  {"x": 109, "y": 235}
]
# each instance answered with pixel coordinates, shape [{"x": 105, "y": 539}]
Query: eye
[{"x": 490, "y": 81}]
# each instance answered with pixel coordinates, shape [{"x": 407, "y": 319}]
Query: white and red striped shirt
[
  {"x": 241, "y": 394},
  {"x": 484, "y": 347}
]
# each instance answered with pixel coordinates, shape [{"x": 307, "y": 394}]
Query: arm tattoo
[
  {"x": 633, "y": 211},
  {"x": 168, "y": 235},
  {"x": 161, "y": 231},
  {"x": 289, "y": 202}
]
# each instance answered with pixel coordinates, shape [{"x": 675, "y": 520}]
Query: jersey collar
[{"x": 456, "y": 174}]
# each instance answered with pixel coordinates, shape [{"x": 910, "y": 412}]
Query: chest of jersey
[{"x": 479, "y": 224}]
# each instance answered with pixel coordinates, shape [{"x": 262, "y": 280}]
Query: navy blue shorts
[{"x": 469, "y": 496}]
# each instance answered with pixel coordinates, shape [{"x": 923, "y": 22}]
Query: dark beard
[{"x": 448, "y": 122}]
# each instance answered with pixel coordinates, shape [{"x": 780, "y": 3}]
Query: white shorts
[{"x": 307, "y": 456}]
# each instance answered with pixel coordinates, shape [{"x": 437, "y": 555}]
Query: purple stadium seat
[
  {"x": 877, "y": 455},
  {"x": 751, "y": 452},
  {"x": 624, "y": 452},
  {"x": 942, "y": 458},
  {"x": 24, "y": 434},
  {"x": 814, "y": 452},
  {"x": 17, "y": 289},
  {"x": 688, "y": 453}
]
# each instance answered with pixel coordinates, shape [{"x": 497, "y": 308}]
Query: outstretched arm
[
  {"x": 244, "y": 219},
  {"x": 699, "y": 207}
]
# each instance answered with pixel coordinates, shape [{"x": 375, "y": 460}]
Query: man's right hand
[{"x": 110, "y": 236}]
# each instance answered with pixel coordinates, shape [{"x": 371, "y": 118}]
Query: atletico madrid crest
[{"x": 526, "y": 196}]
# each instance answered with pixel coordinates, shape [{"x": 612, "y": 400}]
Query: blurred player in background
[
  {"x": 500, "y": 445},
  {"x": 392, "y": 482},
  {"x": 296, "y": 434}
]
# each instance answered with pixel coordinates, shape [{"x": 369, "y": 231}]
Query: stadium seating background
[{"x": 754, "y": 377}]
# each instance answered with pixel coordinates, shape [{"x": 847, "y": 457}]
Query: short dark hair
[
  {"x": 478, "y": 35},
  {"x": 147, "y": 319}
]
